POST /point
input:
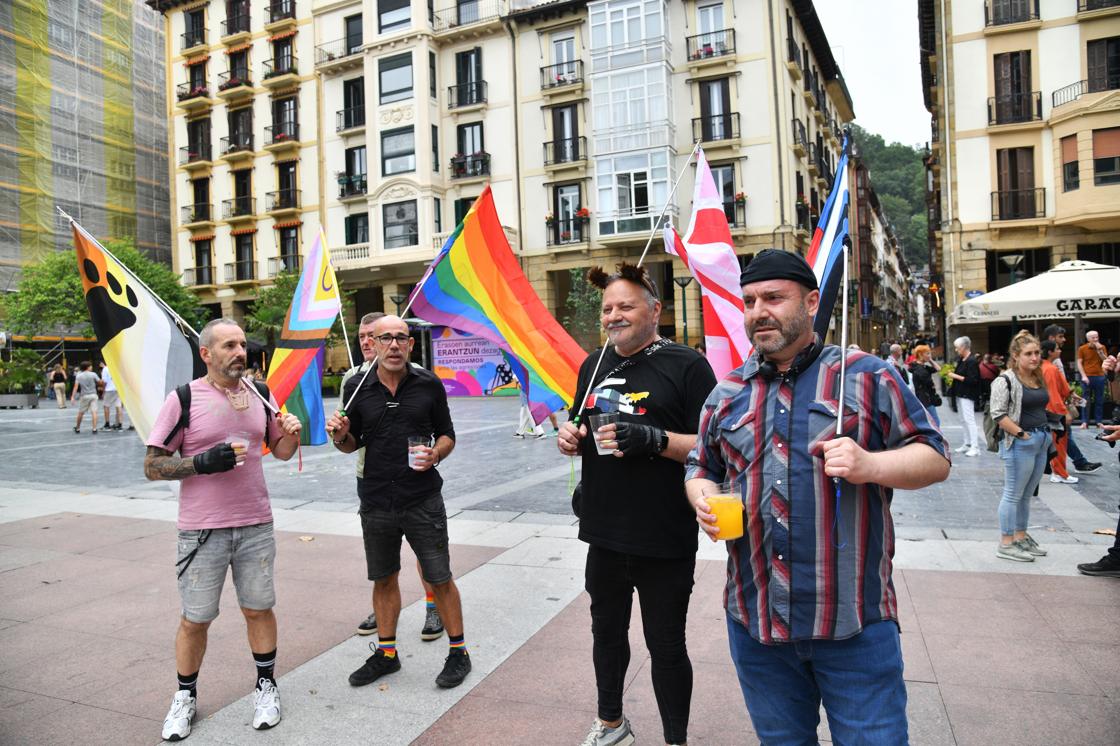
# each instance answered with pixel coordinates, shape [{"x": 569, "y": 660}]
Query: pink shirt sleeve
[{"x": 165, "y": 420}]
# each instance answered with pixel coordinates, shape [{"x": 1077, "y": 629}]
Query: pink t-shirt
[{"x": 237, "y": 497}]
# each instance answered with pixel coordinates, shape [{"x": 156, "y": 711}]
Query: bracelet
[{"x": 340, "y": 442}]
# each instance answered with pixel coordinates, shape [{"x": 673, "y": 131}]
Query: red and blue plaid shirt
[{"x": 809, "y": 565}]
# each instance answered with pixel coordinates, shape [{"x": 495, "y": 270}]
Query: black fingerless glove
[
  {"x": 638, "y": 440},
  {"x": 219, "y": 458}
]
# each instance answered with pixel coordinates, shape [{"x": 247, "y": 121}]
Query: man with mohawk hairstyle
[{"x": 632, "y": 506}]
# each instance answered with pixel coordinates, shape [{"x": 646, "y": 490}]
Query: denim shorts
[
  {"x": 249, "y": 550},
  {"x": 423, "y": 524}
]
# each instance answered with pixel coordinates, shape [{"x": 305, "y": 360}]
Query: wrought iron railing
[
  {"x": 1069, "y": 93},
  {"x": 193, "y": 38},
  {"x": 187, "y": 91},
  {"x": 197, "y": 213},
  {"x": 238, "y": 24},
  {"x": 241, "y": 271},
  {"x": 567, "y": 231},
  {"x": 566, "y": 150},
  {"x": 465, "y": 13},
  {"x": 716, "y": 127},
  {"x": 467, "y": 166},
  {"x": 282, "y": 132},
  {"x": 711, "y": 44},
  {"x": 1002, "y": 12},
  {"x": 195, "y": 153},
  {"x": 466, "y": 94},
  {"x": 238, "y": 207},
  {"x": 1019, "y": 204},
  {"x": 345, "y": 119},
  {"x": 278, "y": 10},
  {"x": 286, "y": 65},
  {"x": 329, "y": 51},
  {"x": 234, "y": 78},
  {"x": 282, "y": 199},
  {"x": 1011, "y": 108},
  {"x": 238, "y": 142},
  {"x": 352, "y": 185},
  {"x": 561, "y": 74}
]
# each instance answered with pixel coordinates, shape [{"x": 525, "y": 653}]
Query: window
[
  {"x": 565, "y": 135},
  {"x": 469, "y": 139},
  {"x": 398, "y": 151},
  {"x": 283, "y": 61},
  {"x": 243, "y": 183},
  {"x": 466, "y": 11},
  {"x": 633, "y": 192},
  {"x": 1071, "y": 177},
  {"x": 357, "y": 228},
  {"x": 1016, "y": 198},
  {"x": 285, "y": 124},
  {"x": 627, "y": 185},
  {"x": 196, "y": 74},
  {"x": 468, "y": 78},
  {"x": 435, "y": 149},
  {"x": 1106, "y": 156},
  {"x": 567, "y": 227},
  {"x": 195, "y": 22},
  {"x": 286, "y": 182},
  {"x": 400, "y": 224},
  {"x": 1101, "y": 253},
  {"x": 393, "y": 15},
  {"x": 395, "y": 75},
  {"x": 715, "y": 110},
  {"x": 239, "y": 66},
  {"x": 356, "y": 161},
  {"x": 432, "y": 74},
  {"x": 289, "y": 249},
  {"x": 623, "y": 100},
  {"x": 1001, "y": 273},
  {"x": 353, "y": 26},
  {"x": 200, "y": 190},
  {"x": 564, "y": 66},
  {"x": 1013, "y": 101},
  {"x": 203, "y": 270},
  {"x": 354, "y": 101},
  {"x": 618, "y": 25},
  {"x": 437, "y": 214},
  {"x": 198, "y": 137},
  {"x": 243, "y": 256},
  {"x": 462, "y": 207},
  {"x": 724, "y": 177},
  {"x": 1104, "y": 64},
  {"x": 710, "y": 18},
  {"x": 241, "y": 128}
]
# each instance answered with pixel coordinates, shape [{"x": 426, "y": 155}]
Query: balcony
[
  {"x": 814, "y": 159},
  {"x": 339, "y": 55},
  {"x": 800, "y": 140},
  {"x": 196, "y": 214},
  {"x": 244, "y": 270},
  {"x": 235, "y": 28},
  {"x": 620, "y": 225},
  {"x": 1006, "y": 12},
  {"x": 793, "y": 58},
  {"x": 809, "y": 88},
  {"x": 466, "y": 95},
  {"x": 279, "y": 13},
  {"x": 1015, "y": 108},
  {"x": 283, "y": 263},
  {"x": 192, "y": 97},
  {"x": 281, "y": 136},
  {"x": 197, "y": 276},
  {"x": 736, "y": 214},
  {"x": 350, "y": 119},
  {"x": 470, "y": 166},
  {"x": 193, "y": 40},
  {"x": 716, "y": 128},
  {"x": 567, "y": 231},
  {"x": 282, "y": 200},
  {"x": 561, "y": 75},
  {"x": 710, "y": 47},
  {"x": 239, "y": 208},
  {"x": 234, "y": 84},
  {"x": 1068, "y": 94},
  {"x": 465, "y": 13},
  {"x": 1019, "y": 204},
  {"x": 280, "y": 71},
  {"x": 237, "y": 146},
  {"x": 804, "y": 219},
  {"x": 351, "y": 255},
  {"x": 568, "y": 150},
  {"x": 351, "y": 186},
  {"x": 194, "y": 156},
  {"x": 402, "y": 240}
]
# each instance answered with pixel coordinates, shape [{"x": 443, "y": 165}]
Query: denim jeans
[
  {"x": 1074, "y": 452},
  {"x": 967, "y": 409},
  {"x": 858, "y": 679},
  {"x": 1023, "y": 464},
  {"x": 664, "y": 587},
  {"x": 1093, "y": 411}
]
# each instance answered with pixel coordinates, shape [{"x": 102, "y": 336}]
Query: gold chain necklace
[{"x": 238, "y": 396}]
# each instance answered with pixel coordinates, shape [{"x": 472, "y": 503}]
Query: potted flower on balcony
[
  {"x": 550, "y": 220},
  {"x": 565, "y": 235},
  {"x": 583, "y": 213},
  {"x": 708, "y": 50},
  {"x": 741, "y": 198},
  {"x": 802, "y": 201}
]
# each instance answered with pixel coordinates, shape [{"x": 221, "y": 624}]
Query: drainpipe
[
  {"x": 516, "y": 140},
  {"x": 948, "y": 158},
  {"x": 777, "y": 119}
]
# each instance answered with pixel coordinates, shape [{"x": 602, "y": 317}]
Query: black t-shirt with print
[{"x": 637, "y": 504}]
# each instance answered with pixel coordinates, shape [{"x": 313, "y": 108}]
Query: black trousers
[{"x": 664, "y": 587}]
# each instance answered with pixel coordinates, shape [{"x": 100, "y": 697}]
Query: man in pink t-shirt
[{"x": 225, "y": 519}]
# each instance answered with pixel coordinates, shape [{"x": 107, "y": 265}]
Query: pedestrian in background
[
  {"x": 85, "y": 385},
  {"x": 1090, "y": 356},
  {"x": 58, "y": 383},
  {"x": 924, "y": 371},
  {"x": 1081, "y": 465},
  {"x": 1019, "y": 399},
  {"x": 966, "y": 389},
  {"x": 1057, "y": 412}
]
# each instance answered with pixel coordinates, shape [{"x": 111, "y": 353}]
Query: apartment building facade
[
  {"x": 580, "y": 116},
  {"x": 1024, "y": 169}
]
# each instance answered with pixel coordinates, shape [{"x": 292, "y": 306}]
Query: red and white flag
[{"x": 706, "y": 251}]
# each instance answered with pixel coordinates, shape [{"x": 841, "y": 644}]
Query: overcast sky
[{"x": 875, "y": 43}]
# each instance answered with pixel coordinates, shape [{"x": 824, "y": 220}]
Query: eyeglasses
[{"x": 386, "y": 339}]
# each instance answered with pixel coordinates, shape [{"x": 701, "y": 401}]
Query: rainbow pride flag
[
  {"x": 475, "y": 285},
  {"x": 295, "y": 374}
]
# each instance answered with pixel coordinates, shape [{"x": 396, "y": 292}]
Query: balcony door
[
  {"x": 284, "y": 117},
  {"x": 724, "y": 177},
  {"x": 1015, "y": 177},
  {"x": 286, "y": 181},
  {"x": 468, "y": 77},
  {"x": 1013, "y": 87},
  {"x": 564, "y": 55},
  {"x": 565, "y": 134},
  {"x": 201, "y": 191},
  {"x": 709, "y": 20},
  {"x": 715, "y": 109},
  {"x": 1103, "y": 57},
  {"x": 241, "y": 127},
  {"x": 354, "y": 102},
  {"x": 353, "y": 25},
  {"x": 568, "y": 229},
  {"x": 198, "y": 137}
]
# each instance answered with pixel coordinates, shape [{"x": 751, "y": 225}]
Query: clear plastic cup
[
  {"x": 415, "y": 443},
  {"x": 597, "y": 421},
  {"x": 240, "y": 442},
  {"x": 725, "y": 502}
]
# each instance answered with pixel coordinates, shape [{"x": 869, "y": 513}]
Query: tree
[
  {"x": 899, "y": 178},
  {"x": 266, "y": 315},
  {"x": 582, "y": 308},
  {"x": 50, "y": 295}
]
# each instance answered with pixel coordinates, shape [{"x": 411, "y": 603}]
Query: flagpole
[
  {"x": 337, "y": 294},
  {"x": 649, "y": 242},
  {"x": 131, "y": 274}
]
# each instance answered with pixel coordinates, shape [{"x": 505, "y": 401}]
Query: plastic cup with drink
[
  {"x": 240, "y": 442},
  {"x": 416, "y": 444},
  {"x": 725, "y": 502},
  {"x": 600, "y": 420}
]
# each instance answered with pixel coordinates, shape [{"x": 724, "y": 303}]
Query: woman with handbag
[
  {"x": 966, "y": 388},
  {"x": 923, "y": 371},
  {"x": 1019, "y": 400}
]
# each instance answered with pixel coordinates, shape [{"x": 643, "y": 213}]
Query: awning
[
  {"x": 240, "y": 48},
  {"x": 283, "y": 35},
  {"x": 197, "y": 61},
  {"x": 242, "y": 231},
  {"x": 206, "y": 237},
  {"x": 288, "y": 224},
  {"x": 1073, "y": 288}
]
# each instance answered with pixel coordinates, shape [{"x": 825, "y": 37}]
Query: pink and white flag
[{"x": 707, "y": 252}]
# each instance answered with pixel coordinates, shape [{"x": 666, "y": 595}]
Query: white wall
[
  {"x": 970, "y": 81},
  {"x": 974, "y": 180},
  {"x": 1059, "y": 61}
]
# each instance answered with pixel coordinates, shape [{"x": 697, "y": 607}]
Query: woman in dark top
[
  {"x": 922, "y": 372},
  {"x": 966, "y": 388},
  {"x": 1019, "y": 399},
  {"x": 58, "y": 383}
]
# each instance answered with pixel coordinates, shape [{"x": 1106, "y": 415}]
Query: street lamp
[
  {"x": 683, "y": 282},
  {"x": 398, "y": 299},
  {"x": 1012, "y": 261}
]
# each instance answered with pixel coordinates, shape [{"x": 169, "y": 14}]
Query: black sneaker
[
  {"x": 433, "y": 626},
  {"x": 455, "y": 669},
  {"x": 368, "y": 626},
  {"x": 117, "y": 426},
  {"x": 78, "y": 431},
  {"x": 1107, "y": 566},
  {"x": 1088, "y": 467},
  {"x": 376, "y": 666}
]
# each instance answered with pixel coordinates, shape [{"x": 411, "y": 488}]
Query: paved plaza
[{"x": 995, "y": 652}]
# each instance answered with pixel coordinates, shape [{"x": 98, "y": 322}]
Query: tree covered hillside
[{"x": 899, "y": 178}]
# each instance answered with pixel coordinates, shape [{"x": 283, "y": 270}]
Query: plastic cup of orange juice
[{"x": 726, "y": 504}]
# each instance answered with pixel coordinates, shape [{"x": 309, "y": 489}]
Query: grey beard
[{"x": 790, "y": 332}]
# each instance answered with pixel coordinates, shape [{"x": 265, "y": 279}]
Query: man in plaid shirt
[{"x": 810, "y": 580}]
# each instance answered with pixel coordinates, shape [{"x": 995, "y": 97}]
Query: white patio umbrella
[{"x": 1073, "y": 289}]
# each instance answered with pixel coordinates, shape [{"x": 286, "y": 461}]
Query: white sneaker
[
  {"x": 177, "y": 724},
  {"x": 962, "y": 449},
  {"x": 1067, "y": 480},
  {"x": 266, "y": 705},
  {"x": 601, "y": 735},
  {"x": 972, "y": 452}
]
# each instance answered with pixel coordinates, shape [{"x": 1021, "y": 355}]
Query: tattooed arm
[{"x": 162, "y": 464}]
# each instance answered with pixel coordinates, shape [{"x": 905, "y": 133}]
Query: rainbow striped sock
[
  {"x": 387, "y": 646},
  {"x": 430, "y": 601},
  {"x": 457, "y": 642}
]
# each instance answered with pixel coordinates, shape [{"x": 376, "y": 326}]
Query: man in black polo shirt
[{"x": 395, "y": 402}]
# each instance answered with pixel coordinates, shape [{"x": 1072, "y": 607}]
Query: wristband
[{"x": 340, "y": 442}]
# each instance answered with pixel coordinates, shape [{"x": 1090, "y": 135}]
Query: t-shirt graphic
[{"x": 606, "y": 399}]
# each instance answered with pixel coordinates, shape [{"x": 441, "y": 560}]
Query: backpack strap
[
  {"x": 184, "y": 394},
  {"x": 262, "y": 389}
]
